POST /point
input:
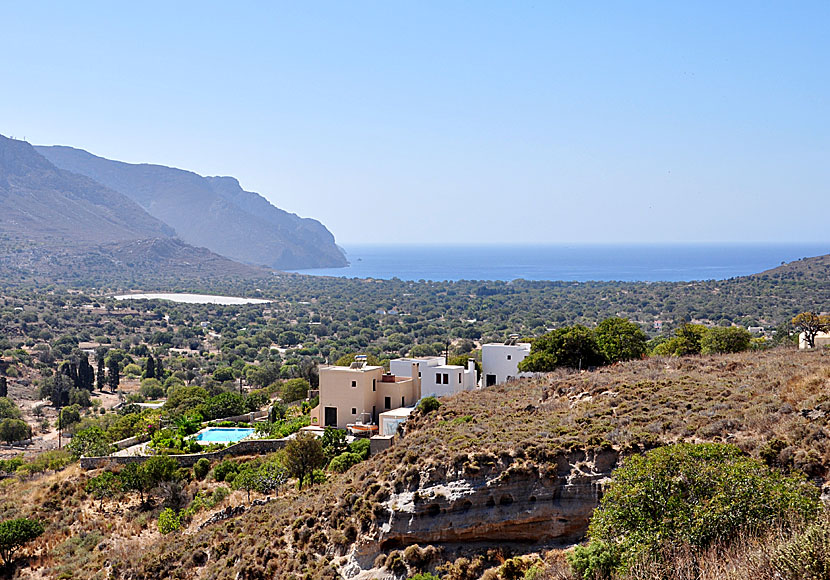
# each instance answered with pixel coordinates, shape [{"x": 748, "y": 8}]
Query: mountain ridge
[{"x": 212, "y": 212}]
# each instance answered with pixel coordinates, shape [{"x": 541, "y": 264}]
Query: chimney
[{"x": 416, "y": 381}]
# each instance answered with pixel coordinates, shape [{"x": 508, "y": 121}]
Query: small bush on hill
[{"x": 688, "y": 494}]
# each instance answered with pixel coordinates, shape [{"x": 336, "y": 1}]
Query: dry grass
[{"x": 773, "y": 404}]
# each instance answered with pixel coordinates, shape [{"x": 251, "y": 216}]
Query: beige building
[
  {"x": 360, "y": 393},
  {"x": 821, "y": 340}
]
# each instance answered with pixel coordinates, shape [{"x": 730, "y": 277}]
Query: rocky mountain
[
  {"x": 41, "y": 202},
  {"x": 57, "y": 225},
  {"x": 214, "y": 212}
]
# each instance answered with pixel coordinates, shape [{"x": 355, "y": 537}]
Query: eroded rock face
[{"x": 548, "y": 504}]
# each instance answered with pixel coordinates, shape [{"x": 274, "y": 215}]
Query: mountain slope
[
  {"x": 214, "y": 212},
  {"x": 42, "y": 202}
]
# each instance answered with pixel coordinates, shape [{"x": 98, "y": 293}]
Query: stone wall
[{"x": 253, "y": 447}]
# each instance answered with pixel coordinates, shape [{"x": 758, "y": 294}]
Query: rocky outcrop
[{"x": 523, "y": 503}]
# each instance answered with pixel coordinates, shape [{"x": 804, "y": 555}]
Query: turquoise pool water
[{"x": 223, "y": 435}]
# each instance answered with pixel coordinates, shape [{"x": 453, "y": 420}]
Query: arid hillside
[{"x": 510, "y": 470}]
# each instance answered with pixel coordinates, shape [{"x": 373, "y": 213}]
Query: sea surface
[{"x": 579, "y": 263}]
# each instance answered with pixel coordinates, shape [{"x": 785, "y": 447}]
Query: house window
[
  {"x": 509, "y": 357},
  {"x": 354, "y": 383},
  {"x": 403, "y": 401},
  {"x": 437, "y": 378},
  {"x": 446, "y": 379},
  {"x": 387, "y": 402},
  {"x": 354, "y": 411},
  {"x": 459, "y": 378},
  {"x": 374, "y": 384}
]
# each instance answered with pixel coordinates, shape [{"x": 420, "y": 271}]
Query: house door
[
  {"x": 331, "y": 417},
  {"x": 490, "y": 380}
]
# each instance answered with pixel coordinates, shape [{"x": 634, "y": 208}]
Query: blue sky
[{"x": 431, "y": 122}]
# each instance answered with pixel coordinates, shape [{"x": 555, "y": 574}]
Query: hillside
[
  {"x": 509, "y": 470},
  {"x": 42, "y": 202},
  {"x": 212, "y": 212}
]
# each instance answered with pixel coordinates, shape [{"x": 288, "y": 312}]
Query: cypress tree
[
  {"x": 101, "y": 374},
  {"x": 159, "y": 369},
  {"x": 150, "y": 368},
  {"x": 86, "y": 375},
  {"x": 4, "y": 387},
  {"x": 112, "y": 371}
]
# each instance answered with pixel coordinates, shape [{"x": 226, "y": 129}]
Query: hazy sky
[{"x": 434, "y": 122}]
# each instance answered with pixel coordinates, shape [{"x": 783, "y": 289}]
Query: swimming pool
[{"x": 222, "y": 435}]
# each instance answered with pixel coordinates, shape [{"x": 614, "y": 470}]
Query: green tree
[
  {"x": 90, "y": 442},
  {"x": 223, "y": 405},
  {"x": 571, "y": 347},
  {"x": 720, "y": 340},
  {"x": 690, "y": 339},
  {"x": 12, "y": 430},
  {"x": 223, "y": 374},
  {"x": 150, "y": 367},
  {"x": 104, "y": 486},
  {"x": 8, "y": 410},
  {"x": 272, "y": 475},
  {"x": 303, "y": 454},
  {"x": 246, "y": 479},
  {"x": 134, "y": 478},
  {"x": 334, "y": 442},
  {"x": 113, "y": 374},
  {"x": 86, "y": 374},
  {"x": 70, "y": 415},
  {"x": 101, "y": 375},
  {"x": 160, "y": 469},
  {"x": 151, "y": 389},
  {"x": 14, "y": 534},
  {"x": 620, "y": 340},
  {"x": 294, "y": 390},
  {"x": 692, "y": 495}
]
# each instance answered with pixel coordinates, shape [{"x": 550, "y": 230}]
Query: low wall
[
  {"x": 253, "y": 447},
  {"x": 128, "y": 442},
  {"x": 246, "y": 418}
]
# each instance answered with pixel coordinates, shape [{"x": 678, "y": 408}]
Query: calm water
[
  {"x": 577, "y": 263},
  {"x": 192, "y": 298},
  {"x": 223, "y": 435}
]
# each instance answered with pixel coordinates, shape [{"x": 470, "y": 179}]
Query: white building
[
  {"x": 500, "y": 362},
  {"x": 437, "y": 378},
  {"x": 402, "y": 367}
]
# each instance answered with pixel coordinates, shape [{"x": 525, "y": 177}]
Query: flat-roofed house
[
  {"x": 361, "y": 392},
  {"x": 500, "y": 361}
]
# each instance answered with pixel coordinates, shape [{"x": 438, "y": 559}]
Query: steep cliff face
[
  {"x": 523, "y": 504},
  {"x": 211, "y": 212}
]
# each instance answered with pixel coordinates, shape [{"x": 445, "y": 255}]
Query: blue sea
[{"x": 577, "y": 263}]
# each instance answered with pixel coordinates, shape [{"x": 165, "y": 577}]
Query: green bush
[
  {"x": 169, "y": 521},
  {"x": 201, "y": 468},
  {"x": 807, "y": 555},
  {"x": 693, "y": 495},
  {"x": 595, "y": 561},
  {"x": 428, "y": 405},
  {"x": 361, "y": 447},
  {"x": 15, "y": 533},
  {"x": 344, "y": 461},
  {"x": 223, "y": 469}
]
